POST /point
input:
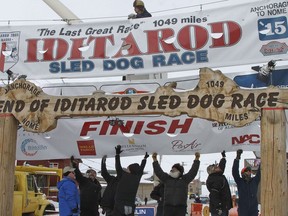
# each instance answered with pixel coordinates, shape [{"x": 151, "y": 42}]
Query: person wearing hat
[
  {"x": 219, "y": 189},
  {"x": 247, "y": 188},
  {"x": 127, "y": 186},
  {"x": 68, "y": 195},
  {"x": 90, "y": 190},
  {"x": 176, "y": 185},
  {"x": 140, "y": 10}
]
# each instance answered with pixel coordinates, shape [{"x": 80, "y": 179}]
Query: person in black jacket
[
  {"x": 140, "y": 10},
  {"x": 158, "y": 194},
  {"x": 176, "y": 185},
  {"x": 127, "y": 186},
  {"x": 90, "y": 190},
  {"x": 247, "y": 188},
  {"x": 218, "y": 186},
  {"x": 107, "y": 201}
]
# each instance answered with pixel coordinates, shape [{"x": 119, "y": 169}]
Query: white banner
[
  {"x": 95, "y": 137},
  {"x": 246, "y": 34}
]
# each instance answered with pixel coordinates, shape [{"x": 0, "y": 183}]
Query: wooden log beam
[
  {"x": 8, "y": 129},
  {"x": 273, "y": 163},
  {"x": 216, "y": 97}
]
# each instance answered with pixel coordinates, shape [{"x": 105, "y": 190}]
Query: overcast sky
[
  {"x": 94, "y": 9},
  {"x": 14, "y": 11}
]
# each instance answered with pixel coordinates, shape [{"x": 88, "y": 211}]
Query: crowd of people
[{"x": 81, "y": 194}]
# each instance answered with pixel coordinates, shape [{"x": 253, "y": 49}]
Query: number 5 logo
[{"x": 272, "y": 28}]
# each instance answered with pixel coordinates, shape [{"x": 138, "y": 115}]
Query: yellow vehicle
[{"x": 32, "y": 190}]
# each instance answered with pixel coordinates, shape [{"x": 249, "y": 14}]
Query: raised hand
[
  {"x": 146, "y": 155},
  {"x": 197, "y": 155},
  {"x": 118, "y": 149},
  {"x": 239, "y": 152}
]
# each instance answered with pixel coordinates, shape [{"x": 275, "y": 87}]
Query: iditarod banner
[{"x": 246, "y": 34}]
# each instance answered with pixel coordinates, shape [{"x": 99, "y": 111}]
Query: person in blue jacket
[
  {"x": 247, "y": 188},
  {"x": 68, "y": 195}
]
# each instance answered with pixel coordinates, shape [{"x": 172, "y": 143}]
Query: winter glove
[
  {"x": 132, "y": 16},
  {"x": 239, "y": 152},
  {"x": 118, "y": 150},
  {"x": 75, "y": 211},
  {"x": 73, "y": 162},
  {"x": 197, "y": 156},
  {"x": 223, "y": 153},
  {"x": 146, "y": 155}
]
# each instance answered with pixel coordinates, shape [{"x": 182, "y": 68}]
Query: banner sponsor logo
[
  {"x": 179, "y": 146},
  {"x": 86, "y": 147},
  {"x": 246, "y": 139},
  {"x": 30, "y": 147},
  {"x": 133, "y": 147},
  {"x": 9, "y": 49},
  {"x": 274, "y": 48}
]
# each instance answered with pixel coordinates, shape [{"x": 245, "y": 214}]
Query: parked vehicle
[{"x": 28, "y": 197}]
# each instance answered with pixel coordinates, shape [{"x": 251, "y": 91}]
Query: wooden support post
[
  {"x": 273, "y": 163},
  {"x": 8, "y": 129}
]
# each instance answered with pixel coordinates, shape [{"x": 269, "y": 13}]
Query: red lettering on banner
[
  {"x": 75, "y": 52},
  {"x": 88, "y": 127},
  {"x": 155, "y": 41},
  {"x": 234, "y": 34},
  {"x": 2, "y": 57},
  {"x": 155, "y": 127},
  {"x": 184, "y": 127},
  {"x": 32, "y": 50},
  {"x": 137, "y": 127},
  {"x": 247, "y": 138},
  {"x": 61, "y": 49},
  {"x": 186, "y": 40},
  {"x": 134, "y": 50},
  {"x": 58, "y": 48},
  {"x": 100, "y": 46}
]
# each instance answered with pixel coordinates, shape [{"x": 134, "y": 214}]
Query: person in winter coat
[
  {"x": 127, "y": 186},
  {"x": 176, "y": 185},
  {"x": 68, "y": 194},
  {"x": 140, "y": 10},
  {"x": 247, "y": 188},
  {"x": 107, "y": 201},
  {"x": 218, "y": 186},
  {"x": 90, "y": 190},
  {"x": 158, "y": 194}
]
